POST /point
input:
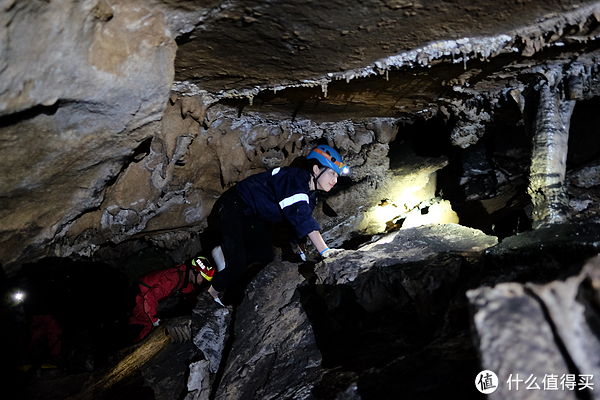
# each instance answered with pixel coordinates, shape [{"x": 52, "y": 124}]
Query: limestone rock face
[
  {"x": 209, "y": 328},
  {"x": 89, "y": 77},
  {"x": 401, "y": 247},
  {"x": 174, "y": 180}
]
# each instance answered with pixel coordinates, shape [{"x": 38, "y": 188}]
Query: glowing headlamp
[
  {"x": 343, "y": 167},
  {"x": 14, "y": 297}
]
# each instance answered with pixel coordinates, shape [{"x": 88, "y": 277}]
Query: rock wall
[
  {"x": 89, "y": 77},
  {"x": 202, "y": 149}
]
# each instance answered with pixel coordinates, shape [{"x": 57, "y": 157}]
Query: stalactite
[
  {"x": 549, "y": 157},
  {"x": 324, "y": 87}
]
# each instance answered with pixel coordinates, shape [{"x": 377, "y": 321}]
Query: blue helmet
[{"x": 329, "y": 158}]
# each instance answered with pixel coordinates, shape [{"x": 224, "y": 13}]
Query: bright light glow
[
  {"x": 386, "y": 213},
  {"x": 412, "y": 200},
  {"x": 345, "y": 170},
  {"x": 437, "y": 213},
  {"x": 397, "y": 207},
  {"x": 18, "y": 296}
]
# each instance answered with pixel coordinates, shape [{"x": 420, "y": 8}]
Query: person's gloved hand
[
  {"x": 298, "y": 251},
  {"x": 215, "y": 295},
  {"x": 179, "y": 329},
  {"x": 327, "y": 253},
  {"x": 156, "y": 323}
]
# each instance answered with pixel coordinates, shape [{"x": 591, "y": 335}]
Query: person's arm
[
  {"x": 317, "y": 240},
  {"x": 161, "y": 285},
  {"x": 324, "y": 251},
  {"x": 150, "y": 305}
]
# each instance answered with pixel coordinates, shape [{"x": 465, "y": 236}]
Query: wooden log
[{"x": 140, "y": 354}]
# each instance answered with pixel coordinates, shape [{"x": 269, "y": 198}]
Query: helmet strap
[
  {"x": 316, "y": 178},
  {"x": 195, "y": 275}
]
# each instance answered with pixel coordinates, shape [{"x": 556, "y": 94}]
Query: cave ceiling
[{"x": 336, "y": 60}]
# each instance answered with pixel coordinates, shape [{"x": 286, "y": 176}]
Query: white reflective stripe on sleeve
[
  {"x": 293, "y": 199},
  {"x": 276, "y": 170}
]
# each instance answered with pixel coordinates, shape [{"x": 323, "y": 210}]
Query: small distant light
[
  {"x": 18, "y": 296},
  {"x": 345, "y": 170}
]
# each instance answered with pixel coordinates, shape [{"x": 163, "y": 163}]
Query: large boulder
[{"x": 274, "y": 354}]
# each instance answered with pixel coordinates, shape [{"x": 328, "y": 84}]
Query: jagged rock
[
  {"x": 586, "y": 177},
  {"x": 210, "y": 322},
  {"x": 199, "y": 381},
  {"x": 554, "y": 324},
  {"x": 400, "y": 296},
  {"x": 543, "y": 255},
  {"x": 403, "y": 246},
  {"x": 165, "y": 374},
  {"x": 274, "y": 354}
]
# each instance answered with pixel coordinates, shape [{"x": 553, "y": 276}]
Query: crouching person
[{"x": 162, "y": 284}]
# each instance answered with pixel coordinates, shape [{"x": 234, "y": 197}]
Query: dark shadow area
[
  {"x": 584, "y": 133},
  {"x": 426, "y": 137},
  {"x": 354, "y": 339},
  {"x": 486, "y": 182},
  {"x": 133, "y": 386},
  {"x": 444, "y": 372},
  {"x": 30, "y": 113},
  {"x": 82, "y": 310},
  {"x": 90, "y": 301}
]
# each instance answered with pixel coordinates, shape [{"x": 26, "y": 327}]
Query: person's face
[
  {"x": 196, "y": 278},
  {"x": 327, "y": 180}
]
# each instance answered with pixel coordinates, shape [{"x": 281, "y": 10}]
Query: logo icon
[{"x": 486, "y": 382}]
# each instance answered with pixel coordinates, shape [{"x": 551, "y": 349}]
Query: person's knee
[{"x": 227, "y": 277}]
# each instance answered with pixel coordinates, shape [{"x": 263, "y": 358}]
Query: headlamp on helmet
[
  {"x": 14, "y": 297},
  {"x": 203, "y": 266},
  {"x": 330, "y": 158}
]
